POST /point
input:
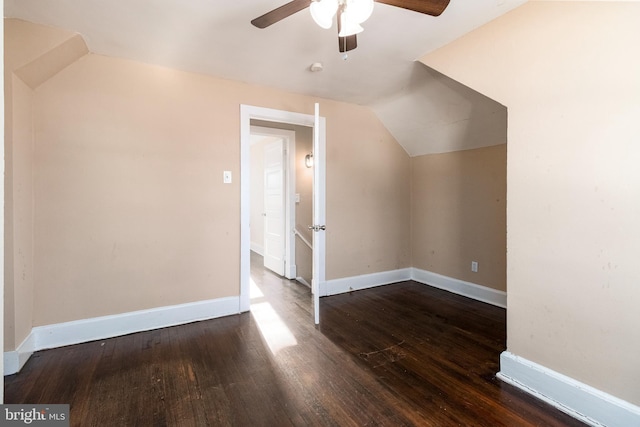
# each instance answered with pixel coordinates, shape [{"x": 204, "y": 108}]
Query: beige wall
[
  {"x": 9, "y": 301},
  {"x": 21, "y": 269},
  {"x": 459, "y": 214},
  {"x": 568, "y": 73},
  {"x": 368, "y": 178},
  {"x": 130, "y": 210},
  {"x": 26, "y": 57}
]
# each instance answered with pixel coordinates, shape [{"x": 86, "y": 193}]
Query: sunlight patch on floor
[
  {"x": 274, "y": 331},
  {"x": 254, "y": 290}
]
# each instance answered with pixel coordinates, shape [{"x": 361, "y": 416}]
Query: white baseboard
[
  {"x": 460, "y": 287},
  {"x": 581, "y": 401},
  {"x": 356, "y": 283},
  {"x": 456, "y": 286},
  {"x": 15, "y": 360},
  {"x": 257, "y": 248},
  {"x": 97, "y": 328},
  {"x": 304, "y": 282},
  {"x": 61, "y": 334}
]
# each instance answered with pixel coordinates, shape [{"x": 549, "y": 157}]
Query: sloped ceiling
[
  {"x": 435, "y": 114},
  {"x": 215, "y": 37}
]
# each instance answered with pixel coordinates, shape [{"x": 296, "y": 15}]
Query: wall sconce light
[{"x": 308, "y": 160}]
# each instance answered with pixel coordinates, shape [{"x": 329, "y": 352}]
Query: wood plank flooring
[{"x": 398, "y": 355}]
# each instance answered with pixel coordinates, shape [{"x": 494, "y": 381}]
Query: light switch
[
  {"x": 297, "y": 197},
  {"x": 474, "y": 266},
  {"x": 226, "y": 177}
]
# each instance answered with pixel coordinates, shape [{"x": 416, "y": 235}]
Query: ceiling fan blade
[
  {"x": 348, "y": 43},
  {"x": 280, "y": 13},
  {"x": 429, "y": 7}
]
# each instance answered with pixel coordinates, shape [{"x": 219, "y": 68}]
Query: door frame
[
  {"x": 248, "y": 112},
  {"x": 289, "y": 141}
]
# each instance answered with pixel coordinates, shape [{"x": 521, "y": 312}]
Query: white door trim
[{"x": 248, "y": 112}]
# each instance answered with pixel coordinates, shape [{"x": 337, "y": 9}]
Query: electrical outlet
[{"x": 474, "y": 266}]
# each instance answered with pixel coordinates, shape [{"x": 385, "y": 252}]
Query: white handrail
[{"x": 306, "y": 242}]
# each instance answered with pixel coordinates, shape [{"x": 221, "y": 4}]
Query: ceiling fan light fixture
[
  {"x": 359, "y": 10},
  {"x": 348, "y": 27},
  {"x": 323, "y": 11}
]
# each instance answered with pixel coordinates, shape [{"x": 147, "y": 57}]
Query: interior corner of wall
[{"x": 42, "y": 68}]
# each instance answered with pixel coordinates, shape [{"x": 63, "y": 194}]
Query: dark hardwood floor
[{"x": 404, "y": 354}]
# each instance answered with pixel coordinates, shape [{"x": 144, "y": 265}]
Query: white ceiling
[{"x": 215, "y": 37}]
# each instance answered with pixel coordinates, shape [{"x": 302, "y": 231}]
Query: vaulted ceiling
[{"x": 425, "y": 111}]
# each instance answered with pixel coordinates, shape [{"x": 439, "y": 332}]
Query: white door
[
  {"x": 274, "y": 207},
  {"x": 318, "y": 210}
]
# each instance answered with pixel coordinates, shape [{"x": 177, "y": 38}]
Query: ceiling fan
[{"x": 350, "y": 14}]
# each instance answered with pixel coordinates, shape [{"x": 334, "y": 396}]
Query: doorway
[
  {"x": 273, "y": 197},
  {"x": 247, "y": 114}
]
